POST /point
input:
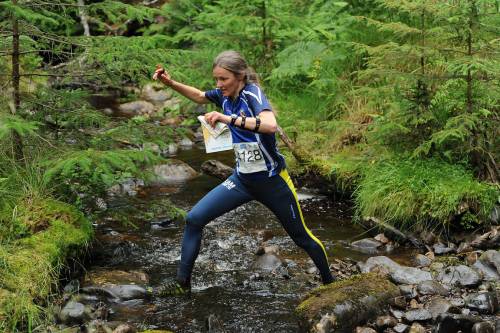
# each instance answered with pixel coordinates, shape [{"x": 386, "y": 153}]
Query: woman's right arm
[{"x": 192, "y": 93}]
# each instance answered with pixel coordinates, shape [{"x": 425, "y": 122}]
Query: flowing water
[{"x": 226, "y": 287}]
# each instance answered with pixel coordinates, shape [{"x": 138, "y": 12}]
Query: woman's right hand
[{"x": 162, "y": 75}]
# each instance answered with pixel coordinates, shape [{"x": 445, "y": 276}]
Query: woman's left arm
[{"x": 268, "y": 124}]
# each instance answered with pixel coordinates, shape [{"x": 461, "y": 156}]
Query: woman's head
[{"x": 232, "y": 62}]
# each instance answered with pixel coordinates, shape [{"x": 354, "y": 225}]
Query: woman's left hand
[{"x": 213, "y": 117}]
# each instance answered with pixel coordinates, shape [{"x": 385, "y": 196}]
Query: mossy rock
[
  {"x": 30, "y": 266},
  {"x": 345, "y": 304}
]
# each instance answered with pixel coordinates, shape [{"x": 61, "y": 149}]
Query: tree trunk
[
  {"x": 17, "y": 142},
  {"x": 83, "y": 17}
]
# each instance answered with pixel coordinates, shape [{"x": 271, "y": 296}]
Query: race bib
[{"x": 250, "y": 158}]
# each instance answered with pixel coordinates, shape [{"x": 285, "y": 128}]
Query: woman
[{"x": 260, "y": 169}]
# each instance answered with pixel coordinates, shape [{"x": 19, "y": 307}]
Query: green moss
[
  {"x": 30, "y": 267},
  {"x": 348, "y": 300}
]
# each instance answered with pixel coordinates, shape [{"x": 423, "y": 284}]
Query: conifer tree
[{"x": 441, "y": 61}]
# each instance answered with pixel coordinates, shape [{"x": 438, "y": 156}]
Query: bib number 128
[{"x": 249, "y": 155}]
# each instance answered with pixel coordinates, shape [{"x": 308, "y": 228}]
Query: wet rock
[
  {"x": 492, "y": 258},
  {"x": 267, "y": 262},
  {"x": 162, "y": 223},
  {"x": 175, "y": 172},
  {"x": 438, "y": 305},
  {"x": 485, "y": 302},
  {"x": 217, "y": 169},
  {"x": 483, "y": 327},
  {"x": 326, "y": 324},
  {"x": 135, "y": 108},
  {"x": 408, "y": 291},
  {"x": 400, "y": 328},
  {"x": 459, "y": 275},
  {"x": 74, "y": 313},
  {"x": 431, "y": 288},
  {"x": 381, "y": 238},
  {"x": 170, "y": 150},
  {"x": 72, "y": 287},
  {"x": 422, "y": 261},
  {"x": 397, "y": 313},
  {"x": 399, "y": 302},
  {"x": 348, "y": 303},
  {"x": 366, "y": 245},
  {"x": 125, "y": 328},
  {"x": 186, "y": 143},
  {"x": 128, "y": 187},
  {"x": 103, "y": 276},
  {"x": 418, "y": 315},
  {"x": 128, "y": 292},
  {"x": 489, "y": 273},
  {"x": 414, "y": 304},
  {"x": 399, "y": 274},
  {"x": 447, "y": 323},
  {"x": 312, "y": 270},
  {"x": 155, "y": 94},
  {"x": 365, "y": 330},
  {"x": 440, "y": 248},
  {"x": 385, "y": 321},
  {"x": 416, "y": 328}
]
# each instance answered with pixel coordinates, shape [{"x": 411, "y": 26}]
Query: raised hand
[{"x": 161, "y": 74}]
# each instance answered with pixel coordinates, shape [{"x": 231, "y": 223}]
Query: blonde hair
[{"x": 234, "y": 62}]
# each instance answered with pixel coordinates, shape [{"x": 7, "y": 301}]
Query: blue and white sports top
[{"x": 257, "y": 154}]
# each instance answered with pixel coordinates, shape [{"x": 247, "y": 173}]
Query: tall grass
[{"x": 414, "y": 193}]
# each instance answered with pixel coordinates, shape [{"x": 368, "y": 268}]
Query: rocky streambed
[{"x": 250, "y": 277}]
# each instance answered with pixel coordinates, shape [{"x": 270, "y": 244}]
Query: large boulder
[
  {"x": 342, "y": 305},
  {"x": 217, "y": 169},
  {"x": 156, "y": 94},
  {"x": 398, "y": 273},
  {"x": 174, "y": 172},
  {"x": 135, "y": 108}
]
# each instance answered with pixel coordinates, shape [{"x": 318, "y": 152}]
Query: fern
[{"x": 84, "y": 174}]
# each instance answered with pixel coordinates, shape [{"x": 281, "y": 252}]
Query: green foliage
[
  {"x": 83, "y": 175},
  {"x": 30, "y": 267},
  {"x": 136, "y": 133},
  {"x": 412, "y": 192},
  {"x": 438, "y": 76},
  {"x": 9, "y": 124}
]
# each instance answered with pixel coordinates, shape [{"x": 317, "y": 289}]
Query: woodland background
[{"x": 395, "y": 102}]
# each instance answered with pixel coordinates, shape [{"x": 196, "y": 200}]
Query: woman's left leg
[{"x": 279, "y": 195}]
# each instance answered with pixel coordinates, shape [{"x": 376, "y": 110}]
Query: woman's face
[{"x": 227, "y": 82}]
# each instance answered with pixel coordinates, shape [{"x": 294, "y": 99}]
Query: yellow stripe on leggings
[{"x": 286, "y": 177}]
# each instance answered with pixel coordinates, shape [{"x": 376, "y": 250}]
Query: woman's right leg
[{"x": 225, "y": 197}]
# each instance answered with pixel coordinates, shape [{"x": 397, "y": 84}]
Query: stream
[{"x": 229, "y": 294}]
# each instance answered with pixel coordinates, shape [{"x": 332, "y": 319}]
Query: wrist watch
[{"x": 234, "y": 116}]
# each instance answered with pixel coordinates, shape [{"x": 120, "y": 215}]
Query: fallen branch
[{"x": 392, "y": 232}]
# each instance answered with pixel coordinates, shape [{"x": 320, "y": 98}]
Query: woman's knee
[{"x": 196, "y": 219}]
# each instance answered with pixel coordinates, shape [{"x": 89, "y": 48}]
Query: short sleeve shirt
[{"x": 257, "y": 154}]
